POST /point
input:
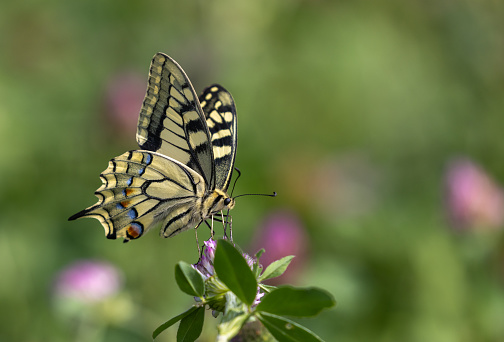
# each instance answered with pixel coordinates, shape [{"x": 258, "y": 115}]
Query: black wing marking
[
  {"x": 171, "y": 120},
  {"x": 140, "y": 189},
  {"x": 220, "y": 112}
]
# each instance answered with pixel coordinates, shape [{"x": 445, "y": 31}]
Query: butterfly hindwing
[
  {"x": 142, "y": 188},
  {"x": 220, "y": 112},
  {"x": 171, "y": 120}
]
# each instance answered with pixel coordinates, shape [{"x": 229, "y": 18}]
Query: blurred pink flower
[
  {"x": 473, "y": 199},
  {"x": 282, "y": 234},
  {"x": 123, "y": 99},
  {"x": 88, "y": 281}
]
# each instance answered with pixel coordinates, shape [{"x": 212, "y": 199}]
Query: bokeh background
[{"x": 379, "y": 124}]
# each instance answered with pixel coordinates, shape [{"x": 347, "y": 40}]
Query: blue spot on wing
[
  {"x": 119, "y": 206},
  {"x": 148, "y": 159},
  {"x": 136, "y": 225},
  {"x": 129, "y": 181},
  {"x": 133, "y": 214},
  {"x": 141, "y": 171}
]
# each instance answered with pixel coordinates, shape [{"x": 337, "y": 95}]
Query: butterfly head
[{"x": 217, "y": 201}]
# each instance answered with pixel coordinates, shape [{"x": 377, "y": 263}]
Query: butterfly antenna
[
  {"x": 274, "y": 194},
  {"x": 236, "y": 179}
]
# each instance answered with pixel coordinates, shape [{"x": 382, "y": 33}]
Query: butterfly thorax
[{"x": 216, "y": 201}]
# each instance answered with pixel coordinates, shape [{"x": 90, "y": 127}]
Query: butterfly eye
[{"x": 227, "y": 201}]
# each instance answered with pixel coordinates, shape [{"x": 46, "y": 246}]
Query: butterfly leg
[
  {"x": 228, "y": 221},
  {"x": 224, "y": 223},
  {"x": 197, "y": 241},
  {"x": 219, "y": 220},
  {"x": 211, "y": 229},
  {"x": 230, "y": 227}
]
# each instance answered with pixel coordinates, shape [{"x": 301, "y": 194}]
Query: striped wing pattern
[
  {"x": 220, "y": 112},
  {"x": 182, "y": 172},
  {"x": 142, "y": 188},
  {"x": 171, "y": 120}
]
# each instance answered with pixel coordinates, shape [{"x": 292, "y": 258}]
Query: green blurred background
[{"x": 349, "y": 110}]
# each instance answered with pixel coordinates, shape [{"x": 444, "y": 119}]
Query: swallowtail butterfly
[{"x": 181, "y": 173}]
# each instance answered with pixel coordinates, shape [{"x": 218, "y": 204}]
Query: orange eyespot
[
  {"x": 135, "y": 230},
  {"x": 128, "y": 192},
  {"x": 125, "y": 203}
]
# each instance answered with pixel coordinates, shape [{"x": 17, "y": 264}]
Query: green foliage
[
  {"x": 297, "y": 302},
  {"x": 172, "y": 321},
  {"x": 276, "y": 268},
  {"x": 189, "y": 280},
  {"x": 239, "y": 307},
  {"x": 235, "y": 315},
  {"x": 285, "y": 330},
  {"x": 233, "y": 271},
  {"x": 191, "y": 326}
]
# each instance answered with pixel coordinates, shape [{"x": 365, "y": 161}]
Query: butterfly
[{"x": 181, "y": 174}]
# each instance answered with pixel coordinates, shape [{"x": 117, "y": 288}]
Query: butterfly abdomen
[{"x": 181, "y": 219}]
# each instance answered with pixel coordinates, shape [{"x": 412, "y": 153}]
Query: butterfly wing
[
  {"x": 142, "y": 188},
  {"x": 171, "y": 120},
  {"x": 220, "y": 112}
]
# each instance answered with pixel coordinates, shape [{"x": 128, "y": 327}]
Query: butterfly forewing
[
  {"x": 141, "y": 188},
  {"x": 220, "y": 112},
  {"x": 171, "y": 120}
]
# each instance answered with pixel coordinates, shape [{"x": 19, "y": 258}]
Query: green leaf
[
  {"x": 276, "y": 268},
  {"x": 189, "y": 280},
  {"x": 191, "y": 326},
  {"x": 171, "y": 322},
  {"x": 297, "y": 302},
  {"x": 259, "y": 253},
  {"x": 285, "y": 330},
  {"x": 233, "y": 271},
  {"x": 234, "y": 317},
  {"x": 267, "y": 288},
  {"x": 257, "y": 269}
]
